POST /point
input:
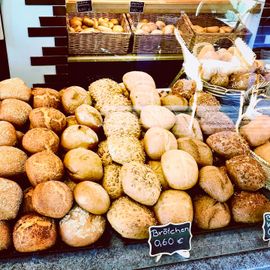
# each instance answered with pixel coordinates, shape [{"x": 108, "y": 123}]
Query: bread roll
[
  {"x": 80, "y": 228},
  {"x": 104, "y": 154},
  {"x": 12, "y": 161},
  {"x": 10, "y": 199},
  {"x": 263, "y": 151},
  {"x": 246, "y": 173},
  {"x": 83, "y": 165},
  {"x": 14, "y": 88},
  {"x": 157, "y": 141},
  {"x": 44, "y": 166},
  {"x": 228, "y": 144},
  {"x": 181, "y": 127},
  {"x": 71, "y": 120},
  {"x": 46, "y": 97},
  {"x": 174, "y": 103},
  {"x": 210, "y": 214},
  {"x": 135, "y": 178},
  {"x": 48, "y": 118},
  {"x": 157, "y": 168},
  {"x": 40, "y": 139},
  {"x": 15, "y": 111},
  {"x": 79, "y": 136},
  {"x": 205, "y": 49},
  {"x": 7, "y": 134},
  {"x": 184, "y": 88},
  {"x": 196, "y": 148},
  {"x": 5, "y": 236},
  {"x": 220, "y": 79},
  {"x": 174, "y": 206},
  {"x": 216, "y": 183},
  {"x": 27, "y": 206},
  {"x": 92, "y": 197},
  {"x": 180, "y": 169},
  {"x": 249, "y": 207},
  {"x": 33, "y": 233},
  {"x": 130, "y": 219}
]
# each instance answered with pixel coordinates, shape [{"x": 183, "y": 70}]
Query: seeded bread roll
[
  {"x": 184, "y": 88},
  {"x": 12, "y": 161},
  {"x": 216, "y": 183},
  {"x": 10, "y": 199},
  {"x": 130, "y": 219},
  {"x": 246, "y": 173},
  {"x": 210, "y": 214},
  {"x": 40, "y": 139},
  {"x": 14, "y": 88},
  {"x": 15, "y": 111},
  {"x": 157, "y": 168},
  {"x": 33, "y": 233},
  {"x": 249, "y": 207},
  {"x": 27, "y": 206},
  {"x": 46, "y": 97},
  {"x": 7, "y": 134},
  {"x": 264, "y": 151},
  {"x": 228, "y": 144},
  {"x": 5, "y": 236},
  {"x": 80, "y": 228},
  {"x": 104, "y": 154},
  {"x": 44, "y": 166}
]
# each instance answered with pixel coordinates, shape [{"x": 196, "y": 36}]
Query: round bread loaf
[
  {"x": 174, "y": 206},
  {"x": 174, "y": 103},
  {"x": 5, "y": 236},
  {"x": 15, "y": 111},
  {"x": 111, "y": 181},
  {"x": 52, "y": 199},
  {"x": 157, "y": 168},
  {"x": 83, "y": 165},
  {"x": 263, "y": 151},
  {"x": 79, "y": 136},
  {"x": 157, "y": 141},
  {"x": 71, "y": 120},
  {"x": 157, "y": 116},
  {"x": 12, "y": 161},
  {"x": 122, "y": 123},
  {"x": 249, "y": 207},
  {"x": 104, "y": 154},
  {"x": 210, "y": 214},
  {"x": 246, "y": 173},
  {"x": 184, "y": 88},
  {"x": 8, "y": 135},
  {"x": 14, "y": 88},
  {"x": 48, "y": 118},
  {"x": 216, "y": 183},
  {"x": 44, "y": 166},
  {"x": 124, "y": 149},
  {"x": 74, "y": 96},
  {"x": 92, "y": 197},
  {"x": 40, "y": 139},
  {"x": 80, "y": 228},
  {"x": 135, "y": 178},
  {"x": 33, "y": 233},
  {"x": 130, "y": 219},
  {"x": 46, "y": 97},
  {"x": 181, "y": 127},
  {"x": 180, "y": 169},
  {"x": 10, "y": 199},
  {"x": 27, "y": 206}
]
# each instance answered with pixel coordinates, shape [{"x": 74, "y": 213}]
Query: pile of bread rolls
[
  {"x": 70, "y": 160},
  {"x": 212, "y": 29}
]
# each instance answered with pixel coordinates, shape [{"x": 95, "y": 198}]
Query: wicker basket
[
  {"x": 99, "y": 43},
  {"x": 158, "y": 44}
]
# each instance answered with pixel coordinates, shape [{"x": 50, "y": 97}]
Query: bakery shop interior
[{"x": 117, "y": 117}]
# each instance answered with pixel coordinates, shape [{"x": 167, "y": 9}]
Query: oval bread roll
[
  {"x": 46, "y": 97},
  {"x": 157, "y": 168},
  {"x": 130, "y": 219},
  {"x": 8, "y": 135},
  {"x": 5, "y": 236},
  {"x": 180, "y": 169}
]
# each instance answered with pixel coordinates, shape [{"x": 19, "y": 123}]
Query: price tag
[
  {"x": 136, "y": 7},
  {"x": 84, "y": 6},
  {"x": 266, "y": 226},
  {"x": 169, "y": 239}
]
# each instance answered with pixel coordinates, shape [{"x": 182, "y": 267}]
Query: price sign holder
[
  {"x": 266, "y": 227},
  {"x": 136, "y": 7},
  {"x": 169, "y": 239},
  {"x": 84, "y": 6}
]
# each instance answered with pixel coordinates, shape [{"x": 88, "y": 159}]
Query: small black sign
[
  {"x": 170, "y": 238},
  {"x": 136, "y": 7},
  {"x": 84, "y": 6},
  {"x": 266, "y": 226}
]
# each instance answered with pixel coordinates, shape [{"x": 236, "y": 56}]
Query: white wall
[{"x": 17, "y": 17}]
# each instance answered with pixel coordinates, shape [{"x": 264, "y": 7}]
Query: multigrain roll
[
  {"x": 46, "y": 97},
  {"x": 44, "y": 166},
  {"x": 8, "y": 135},
  {"x": 33, "y": 233},
  {"x": 157, "y": 168},
  {"x": 27, "y": 205},
  {"x": 12, "y": 161},
  {"x": 52, "y": 199},
  {"x": 80, "y": 228},
  {"x": 184, "y": 88},
  {"x": 40, "y": 139},
  {"x": 5, "y": 236},
  {"x": 104, "y": 154},
  {"x": 15, "y": 111},
  {"x": 10, "y": 199},
  {"x": 130, "y": 219}
]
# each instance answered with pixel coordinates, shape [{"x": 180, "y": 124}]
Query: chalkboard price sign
[
  {"x": 169, "y": 239},
  {"x": 266, "y": 226},
  {"x": 84, "y": 6},
  {"x": 136, "y": 7}
]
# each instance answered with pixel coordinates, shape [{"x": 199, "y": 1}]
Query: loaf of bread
[{"x": 46, "y": 97}]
